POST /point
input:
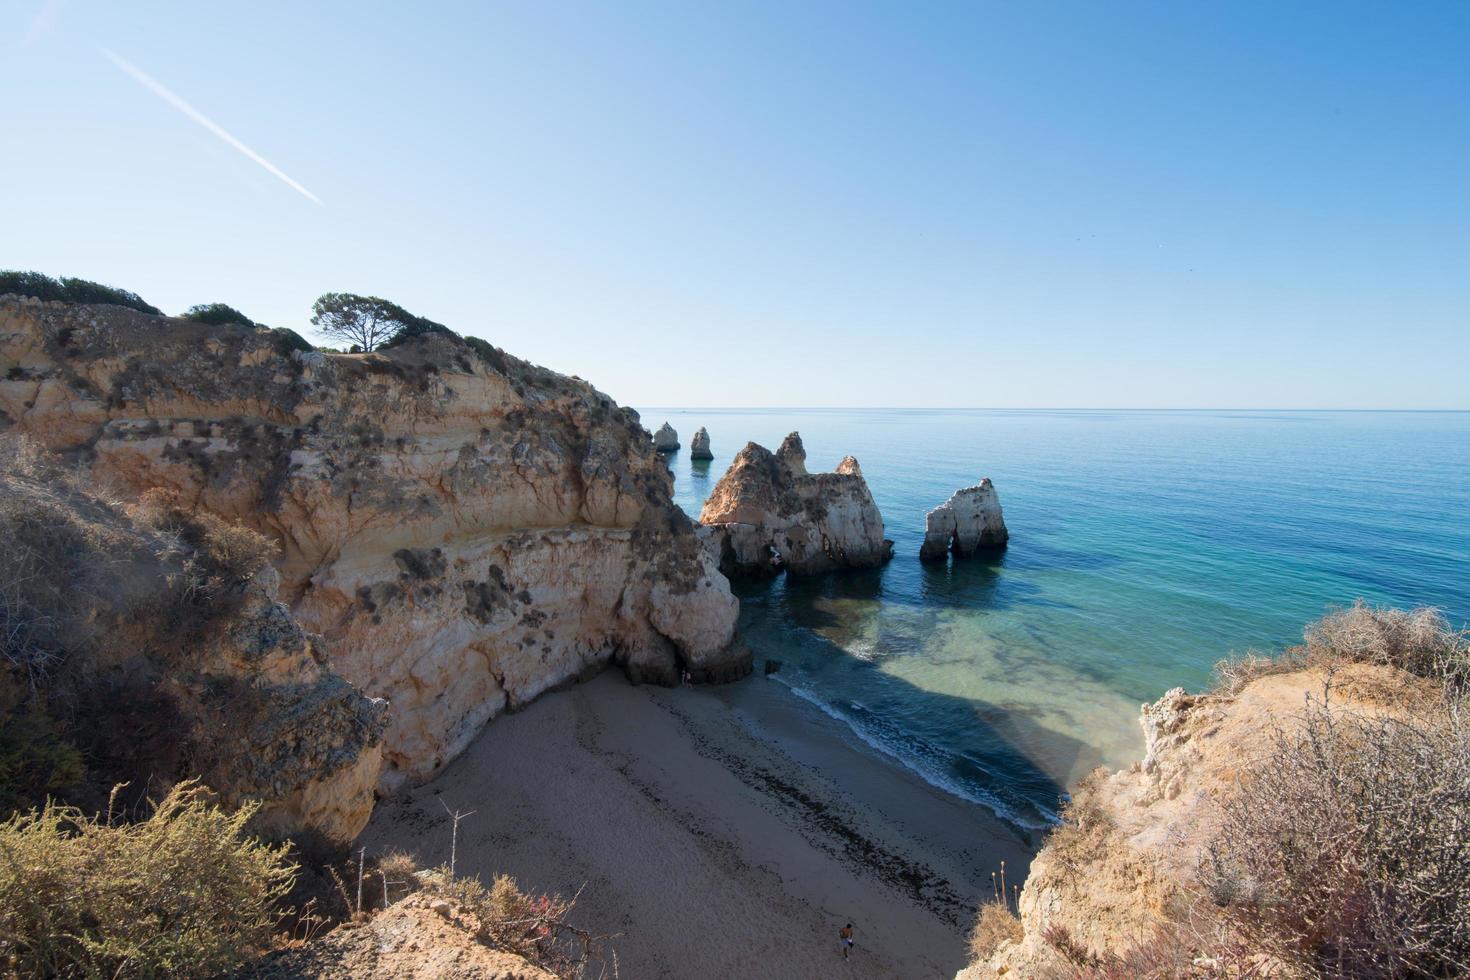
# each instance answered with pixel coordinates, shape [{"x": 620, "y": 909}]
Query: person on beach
[{"x": 845, "y": 934}]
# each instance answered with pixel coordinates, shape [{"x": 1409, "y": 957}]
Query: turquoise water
[{"x": 1144, "y": 547}]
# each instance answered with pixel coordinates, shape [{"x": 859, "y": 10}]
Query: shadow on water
[{"x": 972, "y": 748}]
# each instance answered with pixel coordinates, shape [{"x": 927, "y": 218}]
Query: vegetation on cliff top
[
  {"x": 71, "y": 290},
  {"x": 1344, "y": 850}
]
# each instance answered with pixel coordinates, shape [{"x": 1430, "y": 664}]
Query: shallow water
[{"x": 1145, "y": 546}]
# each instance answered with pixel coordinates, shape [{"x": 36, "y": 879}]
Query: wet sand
[{"x": 720, "y": 832}]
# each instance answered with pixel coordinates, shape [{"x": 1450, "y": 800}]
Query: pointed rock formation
[
  {"x": 968, "y": 522},
  {"x": 793, "y": 454},
  {"x": 767, "y": 513},
  {"x": 699, "y": 445},
  {"x": 666, "y": 440}
]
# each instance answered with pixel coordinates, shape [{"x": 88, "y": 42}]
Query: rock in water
[
  {"x": 666, "y": 440},
  {"x": 968, "y": 522},
  {"x": 699, "y": 445},
  {"x": 465, "y": 529},
  {"x": 768, "y": 513}
]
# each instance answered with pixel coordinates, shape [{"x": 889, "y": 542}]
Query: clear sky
[{"x": 972, "y": 204}]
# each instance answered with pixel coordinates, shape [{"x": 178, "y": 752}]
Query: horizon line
[{"x": 1028, "y": 408}]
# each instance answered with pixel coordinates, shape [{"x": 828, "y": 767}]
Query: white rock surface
[
  {"x": 699, "y": 445},
  {"x": 666, "y": 440},
  {"x": 767, "y": 513},
  {"x": 968, "y": 522}
]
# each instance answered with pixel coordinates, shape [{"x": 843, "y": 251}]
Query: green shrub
[
  {"x": 288, "y": 340},
  {"x": 36, "y": 760},
  {"x": 71, "y": 290},
  {"x": 218, "y": 315},
  {"x": 418, "y": 327},
  {"x": 488, "y": 353},
  {"x": 182, "y": 893}
]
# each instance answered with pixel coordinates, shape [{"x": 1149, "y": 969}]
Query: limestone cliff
[
  {"x": 768, "y": 513},
  {"x": 467, "y": 530},
  {"x": 699, "y": 445},
  {"x": 666, "y": 440},
  {"x": 970, "y": 521},
  {"x": 155, "y": 644},
  {"x": 1123, "y": 870}
]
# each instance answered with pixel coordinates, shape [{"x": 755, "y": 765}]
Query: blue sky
[{"x": 976, "y": 204}]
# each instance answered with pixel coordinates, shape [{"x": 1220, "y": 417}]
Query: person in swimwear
[{"x": 845, "y": 934}]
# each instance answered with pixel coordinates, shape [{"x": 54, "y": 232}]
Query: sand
[{"x": 720, "y": 832}]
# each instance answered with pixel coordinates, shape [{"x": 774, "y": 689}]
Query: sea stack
[
  {"x": 699, "y": 445},
  {"x": 968, "y": 522},
  {"x": 767, "y": 514},
  {"x": 666, "y": 440}
]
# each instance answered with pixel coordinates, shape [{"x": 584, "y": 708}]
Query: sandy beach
[{"x": 721, "y": 832}]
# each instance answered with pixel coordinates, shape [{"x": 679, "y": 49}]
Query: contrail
[{"x": 160, "y": 90}]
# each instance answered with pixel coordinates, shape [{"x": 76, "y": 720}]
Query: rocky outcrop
[
  {"x": 467, "y": 530},
  {"x": 699, "y": 445},
  {"x": 1124, "y": 867},
  {"x": 793, "y": 454},
  {"x": 666, "y": 440},
  {"x": 767, "y": 514},
  {"x": 420, "y": 937},
  {"x": 158, "y": 645},
  {"x": 966, "y": 523}
]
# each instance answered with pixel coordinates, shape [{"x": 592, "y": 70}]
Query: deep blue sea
[{"x": 1145, "y": 546}]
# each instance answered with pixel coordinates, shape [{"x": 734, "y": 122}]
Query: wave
[{"x": 910, "y": 752}]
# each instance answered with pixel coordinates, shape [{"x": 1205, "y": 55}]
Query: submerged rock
[
  {"x": 699, "y": 445},
  {"x": 666, "y": 440},
  {"x": 968, "y": 522},
  {"x": 767, "y": 513}
]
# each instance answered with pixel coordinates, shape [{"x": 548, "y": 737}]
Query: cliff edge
[{"x": 465, "y": 529}]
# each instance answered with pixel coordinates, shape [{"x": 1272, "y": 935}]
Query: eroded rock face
[
  {"x": 767, "y": 513},
  {"x": 1128, "y": 859},
  {"x": 467, "y": 530},
  {"x": 666, "y": 440},
  {"x": 966, "y": 523},
  {"x": 699, "y": 445},
  {"x": 161, "y": 672}
]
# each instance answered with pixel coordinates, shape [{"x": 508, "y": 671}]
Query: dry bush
[
  {"x": 216, "y": 555},
  {"x": 1418, "y": 641},
  {"x": 1347, "y": 852},
  {"x": 181, "y": 893},
  {"x": 1085, "y": 824},
  {"x": 531, "y": 926},
  {"x": 997, "y": 924},
  {"x": 53, "y": 536}
]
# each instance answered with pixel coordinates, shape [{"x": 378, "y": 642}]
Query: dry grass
[
  {"x": 531, "y": 926},
  {"x": 58, "y": 542},
  {"x": 181, "y": 893},
  {"x": 1420, "y": 642},
  {"x": 215, "y": 556},
  {"x": 997, "y": 924},
  {"x": 1085, "y": 825}
]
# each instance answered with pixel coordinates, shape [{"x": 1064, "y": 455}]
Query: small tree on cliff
[{"x": 364, "y": 322}]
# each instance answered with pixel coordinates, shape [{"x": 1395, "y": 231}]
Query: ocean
[{"x": 1145, "y": 546}]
